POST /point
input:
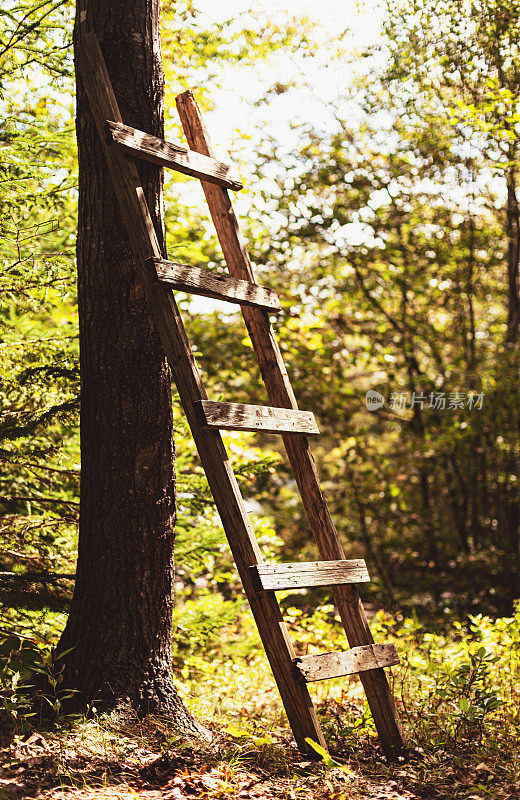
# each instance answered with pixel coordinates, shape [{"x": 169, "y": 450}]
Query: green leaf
[{"x": 318, "y": 749}]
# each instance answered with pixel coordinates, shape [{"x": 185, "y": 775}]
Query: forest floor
[
  {"x": 457, "y": 688},
  {"x": 148, "y": 760}
]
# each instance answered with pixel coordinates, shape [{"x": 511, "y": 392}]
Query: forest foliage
[{"x": 392, "y": 238}]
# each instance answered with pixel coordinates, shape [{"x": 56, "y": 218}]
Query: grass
[{"x": 457, "y": 687}]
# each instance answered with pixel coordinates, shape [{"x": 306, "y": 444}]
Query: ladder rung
[
  {"x": 271, "y": 577},
  {"x": 198, "y": 280},
  {"x": 350, "y": 662},
  {"x": 150, "y": 148},
  {"x": 240, "y": 417}
]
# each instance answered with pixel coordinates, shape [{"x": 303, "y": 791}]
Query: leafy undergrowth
[{"x": 458, "y": 691}]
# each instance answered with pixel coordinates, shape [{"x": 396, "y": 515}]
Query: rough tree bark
[{"x": 120, "y": 622}]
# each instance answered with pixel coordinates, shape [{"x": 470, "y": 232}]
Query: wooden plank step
[
  {"x": 241, "y": 417},
  {"x": 350, "y": 662},
  {"x": 199, "y": 280},
  {"x": 272, "y": 577},
  {"x": 150, "y": 148}
]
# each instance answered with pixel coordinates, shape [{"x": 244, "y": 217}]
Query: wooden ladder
[{"x": 206, "y": 418}]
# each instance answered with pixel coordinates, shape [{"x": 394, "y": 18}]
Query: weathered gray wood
[
  {"x": 280, "y": 392},
  {"x": 198, "y": 280},
  {"x": 306, "y": 574},
  {"x": 212, "y": 452},
  {"x": 241, "y": 417},
  {"x": 351, "y": 662},
  {"x": 143, "y": 145}
]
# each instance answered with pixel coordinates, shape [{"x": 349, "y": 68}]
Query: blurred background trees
[{"x": 391, "y": 235}]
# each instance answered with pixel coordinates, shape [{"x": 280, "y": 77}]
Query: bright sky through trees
[
  {"x": 241, "y": 121},
  {"x": 360, "y": 17},
  {"x": 322, "y": 79}
]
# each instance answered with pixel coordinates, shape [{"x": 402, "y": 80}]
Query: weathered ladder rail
[{"x": 121, "y": 145}]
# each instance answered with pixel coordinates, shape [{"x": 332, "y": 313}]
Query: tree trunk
[{"x": 120, "y": 622}]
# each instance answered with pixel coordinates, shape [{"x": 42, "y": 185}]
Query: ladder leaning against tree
[{"x": 206, "y": 418}]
